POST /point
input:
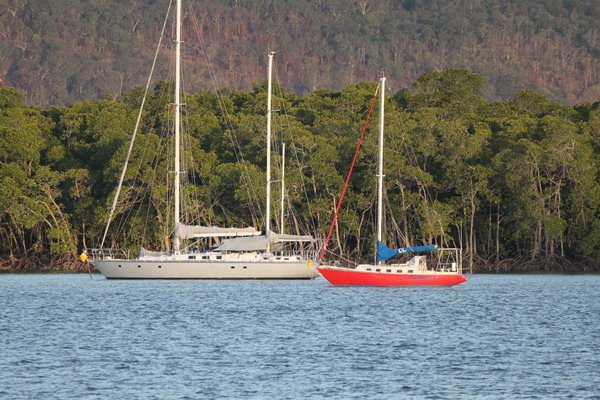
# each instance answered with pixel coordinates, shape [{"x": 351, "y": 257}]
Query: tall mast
[
  {"x": 282, "y": 183},
  {"x": 177, "y": 122},
  {"x": 380, "y": 169},
  {"x": 269, "y": 88}
]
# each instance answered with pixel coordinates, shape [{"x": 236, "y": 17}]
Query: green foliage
[
  {"x": 459, "y": 170},
  {"x": 11, "y": 98}
]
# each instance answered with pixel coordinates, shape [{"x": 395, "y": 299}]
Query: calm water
[{"x": 510, "y": 336}]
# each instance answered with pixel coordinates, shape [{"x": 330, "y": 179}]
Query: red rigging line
[{"x": 349, "y": 175}]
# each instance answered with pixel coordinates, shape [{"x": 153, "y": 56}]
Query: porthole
[
  {"x": 139, "y": 266},
  {"x": 245, "y": 267},
  {"x": 410, "y": 271},
  {"x": 219, "y": 257},
  {"x": 368, "y": 269},
  {"x": 192, "y": 257},
  {"x": 232, "y": 267},
  {"x": 377, "y": 270},
  {"x": 119, "y": 266},
  {"x": 205, "y": 257},
  {"x": 159, "y": 266},
  {"x": 388, "y": 270}
]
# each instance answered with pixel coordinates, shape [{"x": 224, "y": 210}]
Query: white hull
[{"x": 198, "y": 269}]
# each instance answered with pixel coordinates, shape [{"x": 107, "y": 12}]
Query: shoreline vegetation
[{"x": 515, "y": 184}]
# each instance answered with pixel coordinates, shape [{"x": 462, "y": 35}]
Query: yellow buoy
[{"x": 83, "y": 257}]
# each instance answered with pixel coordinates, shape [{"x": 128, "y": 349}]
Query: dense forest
[
  {"x": 514, "y": 183},
  {"x": 59, "y": 52}
]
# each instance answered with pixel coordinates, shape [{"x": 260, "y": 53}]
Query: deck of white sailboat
[{"x": 216, "y": 257}]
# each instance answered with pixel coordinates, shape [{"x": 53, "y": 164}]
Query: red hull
[{"x": 351, "y": 277}]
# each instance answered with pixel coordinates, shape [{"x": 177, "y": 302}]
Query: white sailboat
[{"x": 242, "y": 253}]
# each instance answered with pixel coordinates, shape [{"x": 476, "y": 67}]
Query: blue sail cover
[{"x": 384, "y": 252}]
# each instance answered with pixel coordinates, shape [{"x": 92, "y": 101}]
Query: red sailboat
[{"x": 447, "y": 271}]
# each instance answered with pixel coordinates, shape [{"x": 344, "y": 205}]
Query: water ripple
[{"x": 510, "y": 336}]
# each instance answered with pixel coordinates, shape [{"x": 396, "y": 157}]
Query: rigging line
[
  {"x": 342, "y": 257},
  {"x": 166, "y": 126},
  {"x": 287, "y": 121},
  {"x": 345, "y": 187},
  {"x": 141, "y": 194},
  {"x": 230, "y": 131},
  {"x": 137, "y": 195},
  {"x": 391, "y": 214},
  {"x": 413, "y": 158},
  {"x": 310, "y": 221},
  {"x": 154, "y": 161},
  {"x": 229, "y": 216},
  {"x": 186, "y": 148},
  {"x": 137, "y": 123},
  {"x": 145, "y": 192},
  {"x": 192, "y": 206}
]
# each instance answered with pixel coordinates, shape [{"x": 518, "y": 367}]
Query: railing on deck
[
  {"x": 103, "y": 254},
  {"x": 447, "y": 260},
  {"x": 306, "y": 254}
]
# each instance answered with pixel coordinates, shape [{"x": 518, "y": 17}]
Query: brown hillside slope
[{"x": 60, "y": 52}]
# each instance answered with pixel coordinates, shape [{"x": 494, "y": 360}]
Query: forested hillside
[
  {"x": 514, "y": 183},
  {"x": 59, "y": 52}
]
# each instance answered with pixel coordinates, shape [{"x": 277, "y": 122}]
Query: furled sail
[
  {"x": 384, "y": 252},
  {"x": 259, "y": 243},
  {"x": 197, "y": 231}
]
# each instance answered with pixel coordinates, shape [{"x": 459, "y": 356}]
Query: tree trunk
[
  {"x": 471, "y": 233},
  {"x": 498, "y": 232},
  {"x": 488, "y": 248},
  {"x": 537, "y": 241}
]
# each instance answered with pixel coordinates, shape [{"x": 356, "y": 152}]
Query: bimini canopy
[
  {"x": 384, "y": 252},
  {"x": 197, "y": 231},
  {"x": 260, "y": 243}
]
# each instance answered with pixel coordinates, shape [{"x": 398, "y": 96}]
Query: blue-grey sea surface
[{"x": 497, "y": 336}]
